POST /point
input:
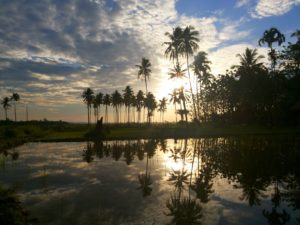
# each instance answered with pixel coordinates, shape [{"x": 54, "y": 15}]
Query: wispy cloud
[
  {"x": 241, "y": 3},
  {"x": 65, "y": 46},
  {"x": 266, "y": 8}
]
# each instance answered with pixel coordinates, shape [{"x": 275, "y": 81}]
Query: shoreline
[{"x": 77, "y": 133}]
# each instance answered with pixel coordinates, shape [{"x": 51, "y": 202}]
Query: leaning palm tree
[
  {"x": 173, "y": 44},
  {"x": 144, "y": 71},
  {"x": 106, "y": 102},
  {"x": 188, "y": 46},
  {"x": 273, "y": 35},
  {"x": 15, "y": 97},
  {"x": 88, "y": 96},
  {"x": 5, "y": 104}
]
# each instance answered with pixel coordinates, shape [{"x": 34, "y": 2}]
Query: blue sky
[{"x": 51, "y": 50}]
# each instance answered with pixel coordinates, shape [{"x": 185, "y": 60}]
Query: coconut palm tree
[
  {"x": 173, "y": 45},
  {"x": 183, "y": 99},
  {"x": 15, "y": 97},
  {"x": 162, "y": 107},
  {"x": 177, "y": 72},
  {"x": 144, "y": 71},
  {"x": 5, "y": 104},
  {"x": 106, "y": 102},
  {"x": 201, "y": 70},
  {"x": 139, "y": 103},
  {"x": 127, "y": 97},
  {"x": 175, "y": 100},
  {"x": 273, "y": 35},
  {"x": 88, "y": 96},
  {"x": 150, "y": 104},
  {"x": 188, "y": 46},
  {"x": 116, "y": 102},
  {"x": 250, "y": 60}
]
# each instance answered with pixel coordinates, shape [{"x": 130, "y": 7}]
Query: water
[{"x": 249, "y": 180}]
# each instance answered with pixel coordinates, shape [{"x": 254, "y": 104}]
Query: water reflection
[{"x": 192, "y": 181}]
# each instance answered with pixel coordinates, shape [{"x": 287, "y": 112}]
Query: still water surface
[{"x": 250, "y": 180}]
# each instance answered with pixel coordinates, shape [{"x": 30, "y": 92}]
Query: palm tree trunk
[
  {"x": 88, "y": 108},
  {"x": 15, "y": 108},
  {"x": 105, "y": 117},
  {"x": 191, "y": 89},
  {"x": 184, "y": 107},
  {"x": 198, "y": 100},
  {"x": 128, "y": 112},
  {"x": 175, "y": 113},
  {"x": 146, "y": 85},
  {"x": 5, "y": 109}
]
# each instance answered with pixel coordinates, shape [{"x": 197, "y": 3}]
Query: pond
[{"x": 236, "y": 180}]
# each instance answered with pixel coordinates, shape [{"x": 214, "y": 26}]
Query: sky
[{"x": 51, "y": 50}]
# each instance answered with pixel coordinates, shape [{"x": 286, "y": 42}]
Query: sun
[{"x": 165, "y": 85}]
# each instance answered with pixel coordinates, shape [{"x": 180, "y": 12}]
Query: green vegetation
[
  {"x": 251, "y": 92},
  {"x": 251, "y": 98},
  {"x": 13, "y": 134}
]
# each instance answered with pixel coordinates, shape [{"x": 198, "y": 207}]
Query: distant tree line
[
  {"x": 250, "y": 92},
  {"x": 134, "y": 106},
  {"x": 6, "y": 104}
]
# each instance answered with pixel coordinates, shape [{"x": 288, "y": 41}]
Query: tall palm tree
[
  {"x": 99, "y": 101},
  {"x": 15, "y": 97},
  {"x": 116, "y": 102},
  {"x": 175, "y": 100},
  {"x": 162, "y": 107},
  {"x": 201, "y": 70},
  {"x": 144, "y": 71},
  {"x": 273, "y": 35},
  {"x": 88, "y": 96},
  {"x": 127, "y": 96},
  {"x": 106, "y": 102},
  {"x": 5, "y": 104},
  {"x": 250, "y": 59},
  {"x": 139, "y": 103},
  {"x": 150, "y": 104},
  {"x": 177, "y": 72},
  {"x": 183, "y": 99},
  {"x": 173, "y": 45},
  {"x": 188, "y": 46}
]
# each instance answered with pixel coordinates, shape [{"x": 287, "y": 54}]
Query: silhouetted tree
[
  {"x": 188, "y": 46},
  {"x": 88, "y": 96},
  {"x": 15, "y": 98},
  {"x": 144, "y": 71},
  {"x": 5, "y": 104},
  {"x": 271, "y": 36},
  {"x": 106, "y": 102}
]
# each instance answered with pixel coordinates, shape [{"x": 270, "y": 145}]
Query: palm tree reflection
[{"x": 145, "y": 180}]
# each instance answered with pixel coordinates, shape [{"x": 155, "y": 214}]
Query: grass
[{"x": 13, "y": 134}]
